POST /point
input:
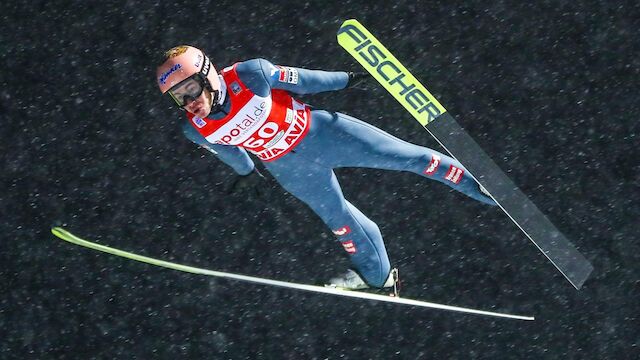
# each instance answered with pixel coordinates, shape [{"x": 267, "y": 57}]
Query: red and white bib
[{"x": 268, "y": 126}]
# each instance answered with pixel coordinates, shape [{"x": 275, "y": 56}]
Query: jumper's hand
[
  {"x": 358, "y": 80},
  {"x": 252, "y": 184}
]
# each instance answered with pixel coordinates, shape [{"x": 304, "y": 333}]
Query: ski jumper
[{"x": 301, "y": 146}]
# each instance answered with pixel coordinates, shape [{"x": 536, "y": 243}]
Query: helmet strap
[{"x": 214, "y": 97}]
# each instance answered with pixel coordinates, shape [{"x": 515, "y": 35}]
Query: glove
[
  {"x": 357, "y": 79},
  {"x": 250, "y": 184}
]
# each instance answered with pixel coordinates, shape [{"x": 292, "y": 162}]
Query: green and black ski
[{"x": 405, "y": 88}]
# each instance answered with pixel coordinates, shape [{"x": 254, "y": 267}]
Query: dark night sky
[{"x": 550, "y": 91}]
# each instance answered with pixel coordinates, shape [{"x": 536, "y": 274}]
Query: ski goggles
[
  {"x": 192, "y": 87},
  {"x": 188, "y": 89}
]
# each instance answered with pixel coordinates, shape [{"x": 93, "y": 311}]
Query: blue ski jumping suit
[{"x": 336, "y": 140}]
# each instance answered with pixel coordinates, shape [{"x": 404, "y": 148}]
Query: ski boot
[{"x": 351, "y": 280}]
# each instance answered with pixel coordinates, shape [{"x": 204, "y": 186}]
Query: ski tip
[
  {"x": 60, "y": 233},
  {"x": 349, "y": 23}
]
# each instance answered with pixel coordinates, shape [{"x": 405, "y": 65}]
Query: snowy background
[{"x": 550, "y": 91}]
